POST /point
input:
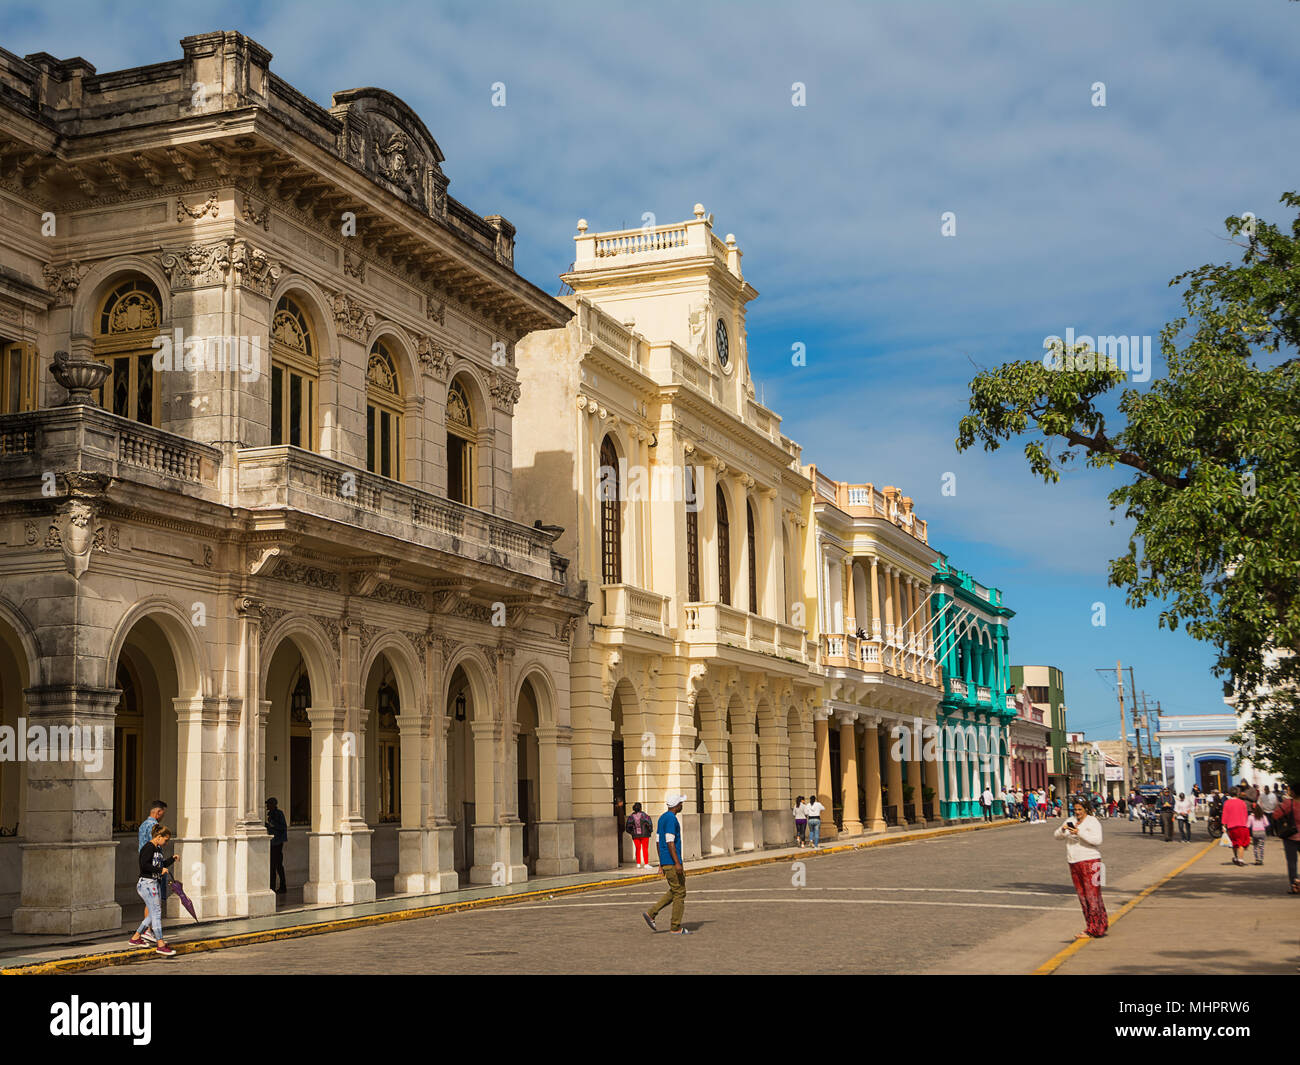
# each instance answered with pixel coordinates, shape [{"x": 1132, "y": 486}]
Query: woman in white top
[
  {"x": 1183, "y": 812},
  {"x": 1082, "y": 835}
]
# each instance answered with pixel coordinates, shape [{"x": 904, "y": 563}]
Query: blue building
[{"x": 976, "y": 709}]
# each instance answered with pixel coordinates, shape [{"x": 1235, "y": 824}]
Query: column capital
[{"x": 846, "y": 717}]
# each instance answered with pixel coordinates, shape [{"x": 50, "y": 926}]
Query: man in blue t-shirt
[{"x": 670, "y": 863}]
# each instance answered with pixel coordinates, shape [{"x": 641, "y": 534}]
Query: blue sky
[{"x": 1068, "y": 215}]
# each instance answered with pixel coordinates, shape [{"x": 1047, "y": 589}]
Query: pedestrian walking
[
  {"x": 157, "y": 810},
  {"x": 1285, "y": 827},
  {"x": 986, "y": 803},
  {"x": 1233, "y": 818},
  {"x": 153, "y": 868},
  {"x": 1258, "y": 825},
  {"x": 640, "y": 828},
  {"x": 1031, "y": 804},
  {"x": 1167, "y": 814},
  {"x": 279, "y": 829},
  {"x": 800, "y": 821},
  {"x": 814, "y": 809},
  {"x": 670, "y": 864},
  {"x": 1248, "y": 792},
  {"x": 1082, "y": 835},
  {"x": 1268, "y": 803},
  {"x": 1183, "y": 811}
]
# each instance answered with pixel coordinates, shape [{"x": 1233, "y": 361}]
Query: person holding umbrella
[{"x": 153, "y": 868}]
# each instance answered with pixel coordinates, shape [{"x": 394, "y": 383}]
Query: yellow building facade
[
  {"x": 686, "y": 514},
  {"x": 868, "y": 589}
]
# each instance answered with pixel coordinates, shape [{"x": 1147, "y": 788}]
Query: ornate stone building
[
  {"x": 686, "y": 514},
  {"x": 869, "y": 587},
  {"x": 256, "y": 498}
]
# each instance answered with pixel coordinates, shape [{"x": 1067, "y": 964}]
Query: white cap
[{"x": 673, "y": 800}]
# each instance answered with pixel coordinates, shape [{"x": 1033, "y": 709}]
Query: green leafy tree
[{"x": 1214, "y": 450}]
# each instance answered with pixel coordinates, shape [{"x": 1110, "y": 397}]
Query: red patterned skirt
[
  {"x": 1239, "y": 836},
  {"x": 1087, "y": 882}
]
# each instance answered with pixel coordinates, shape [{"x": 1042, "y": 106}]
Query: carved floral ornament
[
  {"x": 433, "y": 357},
  {"x": 354, "y": 320},
  {"x": 62, "y": 280},
  {"x": 505, "y": 392},
  {"x": 210, "y": 206}
]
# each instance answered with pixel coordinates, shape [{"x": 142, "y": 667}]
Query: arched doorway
[
  {"x": 14, "y": 677},
  {"x": 461, "y": 806},
  {"x": 528, "y": 771},
  {"x": 382, "y": 799},
  {"x": 289, "y": 762},
  {"x": 627, "y": 782}
]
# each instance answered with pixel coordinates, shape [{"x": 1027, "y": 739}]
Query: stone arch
[
  {"x": 480, "y": 676},
  {"x": 398, "y": 343},
  {"x": 20, "y": 664},
  {"x": 319, "y": 654},
  {"x": 12, "y": 615},
  {"x": 101, "y": 279},
  {"x": 193, "y": 675},
  {"x": 407, "y": 670},
  {"x": 535, "y": 672},
  {"x": 312, "y": 299}
]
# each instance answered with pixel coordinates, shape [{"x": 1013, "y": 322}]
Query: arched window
[
  {"x": 128, "y": 752},
  {"x": 129, "y": 320},
  {"x": 753, "y": 557},
  {"x": 294, "y": 370},
  {"x": 611, "y": 516},
  {"x": 724, "y": 550},
  {"x": 692, "y": 537},
  {"x": 460, "y": 445},
  {"x": 383, "y": 414}
]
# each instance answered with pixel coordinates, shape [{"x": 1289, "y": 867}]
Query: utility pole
[
  {"x": 1151, "y": 731},
  {"x": 1123, "y": 728},
  {"x": 1143, "y": 768}
]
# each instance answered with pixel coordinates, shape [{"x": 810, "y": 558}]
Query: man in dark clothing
[
  {"x": 279, "y": 829},
  {"x": 1167, "y": 815}
]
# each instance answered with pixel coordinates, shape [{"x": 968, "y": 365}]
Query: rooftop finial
[
  {"x": 699, "y": 210},
  {"x": 582, "y": 225}
]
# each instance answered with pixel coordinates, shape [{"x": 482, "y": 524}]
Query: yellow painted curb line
[
  {"x": 1054, "y": 963},
  {"x": 85, "y": 962}
]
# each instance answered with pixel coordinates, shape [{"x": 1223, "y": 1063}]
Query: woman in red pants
[
  {"x": 640, "y": 828},
  {"x": 1082, "y": 835}
]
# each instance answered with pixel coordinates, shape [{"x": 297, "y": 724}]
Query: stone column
[
  {"x": 777, "y": 799},
  {"x": 556, "y": 853},
  {"x": 874, "y": 815},
  {"x": 68, "y": 870},
  {"x": 825, "y": 794},
  {"x": 894, "y": 777},
  {"x": 889, "y": 604},
  {"x": 875, "y": 599},
  {"x": 850, "y": 600},
  {"x": 849, "y": 774},
  {"x": 198, "y": 843}
]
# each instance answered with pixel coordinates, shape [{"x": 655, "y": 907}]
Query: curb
[
  {"x": 85, "y": 962},
  {"x": 1053, "y": 963}
]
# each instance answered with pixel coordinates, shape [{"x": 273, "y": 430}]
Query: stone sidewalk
[
  {"x": 1212, "y": 917},
  {"x": 50, "y": 954}
]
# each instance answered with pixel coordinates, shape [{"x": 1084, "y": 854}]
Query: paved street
[{"x": 997, "y": 901}]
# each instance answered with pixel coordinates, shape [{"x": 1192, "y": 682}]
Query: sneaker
[
  {"x": 650, "y": 921},
  {"x": 150, "y": 936},
  {"x": 136, "y": 941},
  {"x": 166, "y": 952},
  {"x": 681, "y": 932}
]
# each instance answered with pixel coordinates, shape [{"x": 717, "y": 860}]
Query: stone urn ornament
[{"x": 81, "y": 376}]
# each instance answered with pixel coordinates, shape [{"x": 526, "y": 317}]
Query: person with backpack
[
  {"x": 153, "y": 869},
  {"x": 640, "y": 828},
  {"x": 1286, "y": 829}
]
